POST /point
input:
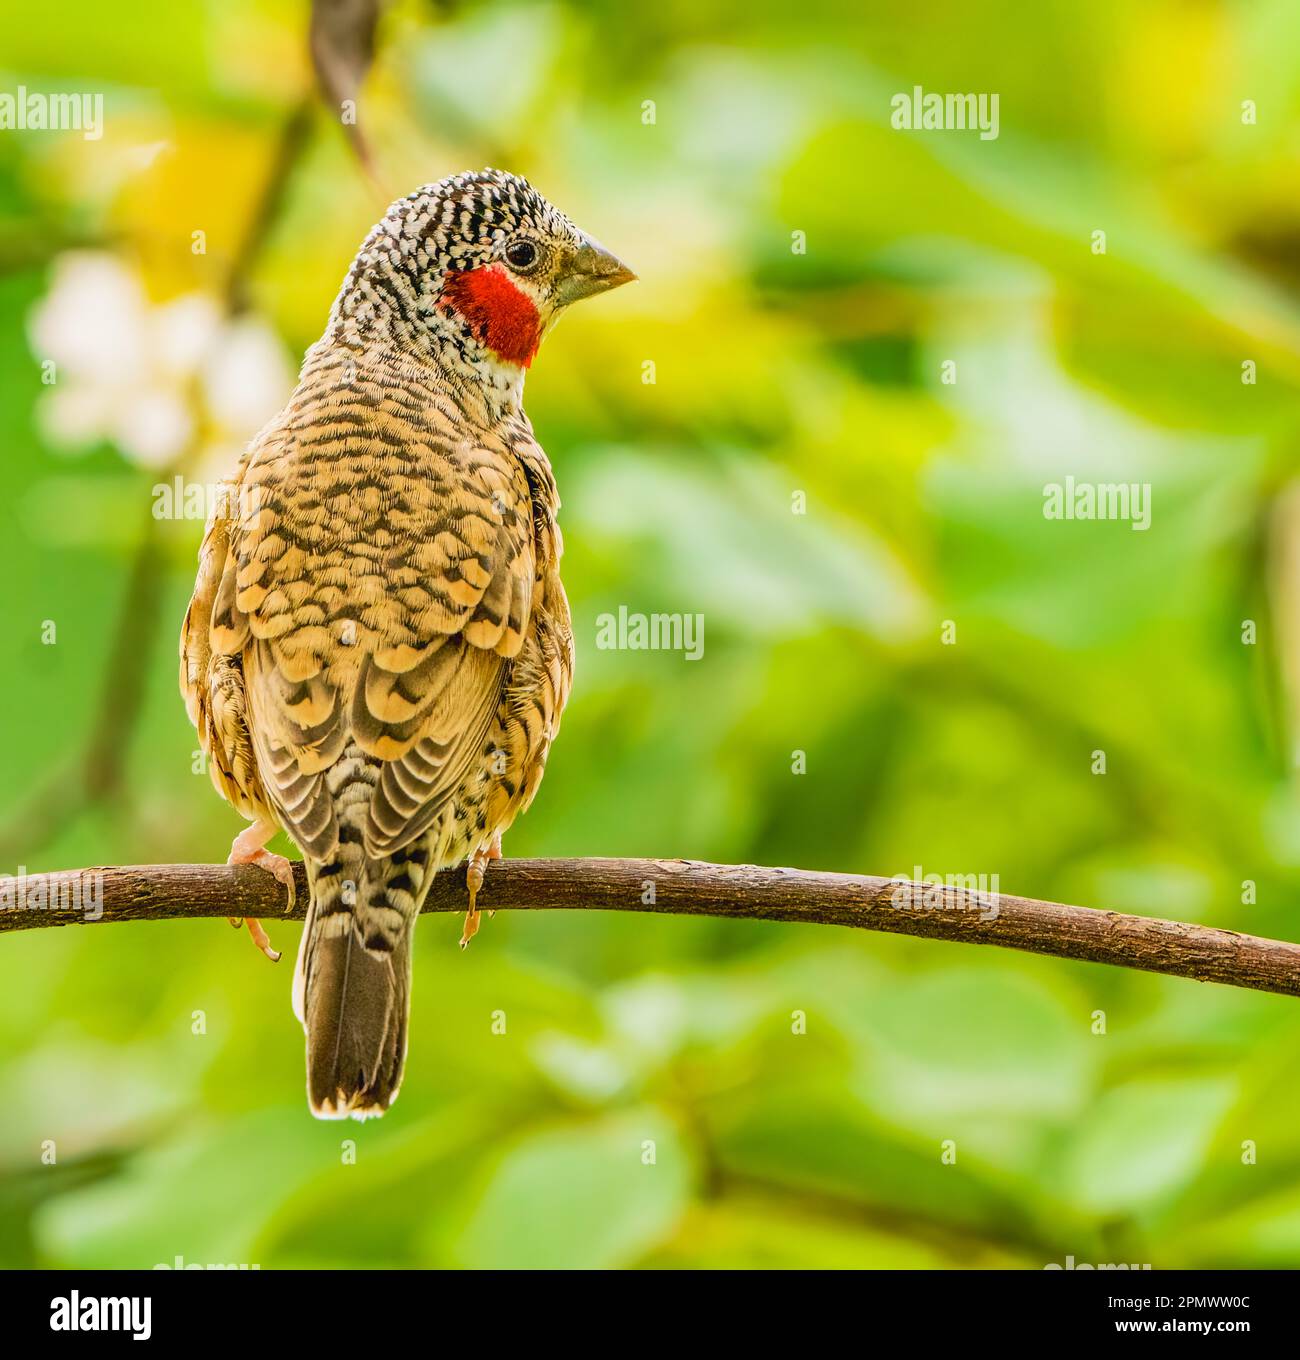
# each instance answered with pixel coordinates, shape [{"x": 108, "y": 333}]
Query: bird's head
[{"x": 471, "y": 271}]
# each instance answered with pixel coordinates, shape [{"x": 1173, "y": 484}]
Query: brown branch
[
  {"x": 690, "y": 888},
  {"x": 341, "y": 40}
]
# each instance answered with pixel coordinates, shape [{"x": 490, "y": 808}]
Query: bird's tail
[{"x": 352, "y": 987}]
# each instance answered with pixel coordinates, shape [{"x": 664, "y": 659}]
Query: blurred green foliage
[{"x": 776, "y": 372}]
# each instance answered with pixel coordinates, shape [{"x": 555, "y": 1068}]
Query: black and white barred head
[
  {"x": 469, "y": 273},
  {"x": 460, "y": 223},
  {"x": 464, "y": 220}
]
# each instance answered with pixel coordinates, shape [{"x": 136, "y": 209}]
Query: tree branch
[{"x": 690, "y": 888}]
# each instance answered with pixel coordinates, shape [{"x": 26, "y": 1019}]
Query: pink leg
[
  {"x": 249, "y": 847},
  {"x": 474, "y": 873}
]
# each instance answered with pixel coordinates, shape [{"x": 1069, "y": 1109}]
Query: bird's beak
[{"x": 591, "y": 270}]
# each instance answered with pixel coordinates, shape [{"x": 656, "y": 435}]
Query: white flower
[
  {"x": 145, "y": 376},
  {"x": 245, "y": 377}
]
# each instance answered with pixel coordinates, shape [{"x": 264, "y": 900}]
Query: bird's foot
[
  {"x": 249, "y": 847},
  {"x": 474, "y": 873},
  {"x": 260, "y": 938}
]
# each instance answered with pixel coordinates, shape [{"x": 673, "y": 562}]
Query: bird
[{"x": 378, "y": 648}]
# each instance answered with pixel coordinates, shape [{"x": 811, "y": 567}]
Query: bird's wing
[
  {"x": 380, "y": 582},
  {"x": 212, "y": 681}
]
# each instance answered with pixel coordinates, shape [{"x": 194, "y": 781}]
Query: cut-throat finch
[{"x": 378, "y": 647}]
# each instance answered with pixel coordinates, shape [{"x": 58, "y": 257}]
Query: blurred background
[{"x": 946, "y": 660}]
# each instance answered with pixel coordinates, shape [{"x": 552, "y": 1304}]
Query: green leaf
[{"x": 580, "y": 1197}]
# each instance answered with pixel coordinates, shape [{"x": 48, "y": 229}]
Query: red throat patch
[{"x": 501, "y": 316}]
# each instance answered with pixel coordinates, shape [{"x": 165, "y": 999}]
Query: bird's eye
[{"x": 521, "y": 254}]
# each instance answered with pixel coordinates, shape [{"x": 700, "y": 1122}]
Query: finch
[{"x": 378, "y": 647}]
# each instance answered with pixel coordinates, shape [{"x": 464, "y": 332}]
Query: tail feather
[
  {"x": 357, "y": 1006},
  {"x": 352, "y": 988}
]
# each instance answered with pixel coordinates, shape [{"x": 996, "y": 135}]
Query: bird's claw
[
  {"x": 474, "y": 873},
  {"x": 279, "y": 868},
  {"x": 261, "y": 939},
  {"x": 473, "y": 881},
  {"x": 248, "y": 849}
]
